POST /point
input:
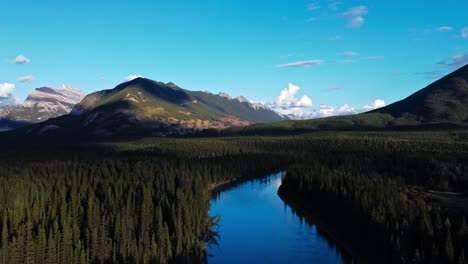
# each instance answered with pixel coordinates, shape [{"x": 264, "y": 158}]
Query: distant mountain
[
  {"x": 42, "y": 104},
  {"x": 443, "y": 104},
  {"x": 5, "y": 101},
  {"x": 144, "y": 107},
  {"x": 445, "y": 100}
]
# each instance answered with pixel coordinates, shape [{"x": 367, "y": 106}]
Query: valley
[
  {"x": 166, "y": 182},
  {"x": 218, "y": 132}
]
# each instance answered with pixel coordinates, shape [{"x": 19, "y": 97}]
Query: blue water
[{"x": 256, "y": 226}]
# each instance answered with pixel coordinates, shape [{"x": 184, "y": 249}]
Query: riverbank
[
  {"x": 216, "y": 188},
  {"x": 256, "y": 227},
  {"x": 355, "y": 252}
]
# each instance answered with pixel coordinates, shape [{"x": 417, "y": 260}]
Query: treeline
[
  {"x": 392, "y": 221},
  {"x": 133, "y": 210},
  {"x": 375, "y": 187}
]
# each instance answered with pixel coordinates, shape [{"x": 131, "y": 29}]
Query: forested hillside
[
  {"x": 128, "y": 209},
  {"x": 147, "y": 201}
]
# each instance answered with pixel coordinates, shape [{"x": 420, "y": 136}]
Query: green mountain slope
[{"x": 144, "y": 107}]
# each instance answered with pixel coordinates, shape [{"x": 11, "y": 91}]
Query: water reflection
[{"x": 258, "y": 227}]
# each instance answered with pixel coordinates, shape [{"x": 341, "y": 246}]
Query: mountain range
[
  {"x": 42, "y": 104},
  {"x": 143, "y": 107}
]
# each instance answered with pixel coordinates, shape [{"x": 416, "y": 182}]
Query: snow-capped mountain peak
[{"x": 41, "y": 104}]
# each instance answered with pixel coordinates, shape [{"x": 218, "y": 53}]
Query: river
[{"x": 256, "y": 226}]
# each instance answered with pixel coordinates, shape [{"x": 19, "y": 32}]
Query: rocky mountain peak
[{"x": 41, "y": 104}]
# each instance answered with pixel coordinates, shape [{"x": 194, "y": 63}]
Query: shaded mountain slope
[
  {"x": 445, "y": 100},
  {"x": 441, "y": 105}
]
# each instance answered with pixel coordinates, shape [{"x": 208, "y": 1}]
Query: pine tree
[
  {"x": 51, "y": 256},
  {"x": 41, "y": 245},
  {"x": 4, "y": 245},
  {"x": 449, "y": 251}
]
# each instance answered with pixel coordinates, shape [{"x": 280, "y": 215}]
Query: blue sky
[{"x": 338, "y": 52}]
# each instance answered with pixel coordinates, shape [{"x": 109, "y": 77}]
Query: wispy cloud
[
  {"x": 330, "y": 89},
  {"x": 464, "y": 32},
  {"x": 25, "y": 79},
  {"x": 443, "y": 28},
  {"x": 431, "y": 75},
  {"x": 454, "y": 62},
  {"x": 374, "y": 57},
  {"x": 298, "y": 64},
  {"x": 313, "y": 6},
  {"x": 355, "y": 16},
  {"x": 132, "y": 77},
  {"x": 287, "y": 56},
  {"x": 333, "y": 5},
  {"x": 21, "y": 60},
  {"x": 6, "y": 89},
  {"x": 334, "y": 38},
  {"x": 348, "y": 54}
]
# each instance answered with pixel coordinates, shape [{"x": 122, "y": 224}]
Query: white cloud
[
  {"x": 328, "y": 110},
  {"x": 323, "y": 111},
  {"x": 444, "y": 28},
  {"x": 21, "y": 60},
  {"x": 334, "y": 38},
  {"x": 304, "y": 101},
  {"x": 6, "y": 89},
  {"x": 298, "y": 64},
  {"x": 349, "y": 54},
  {"x": 295, "y": 112},
  {"x": 355, "y": 16},
  {"x": 313, "y": 6},
  {"x": 379, "y": 103},
  {"x": 287, "y": 98},
  {"x": 288, "y": 104},
  {"x": 464, "y": 32},
  {"x": 132, "y": 77},
  {"x": 25, "y": 79},
  {"x": 346, "y": 109},
  {"x": 10, "y": 100}
]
